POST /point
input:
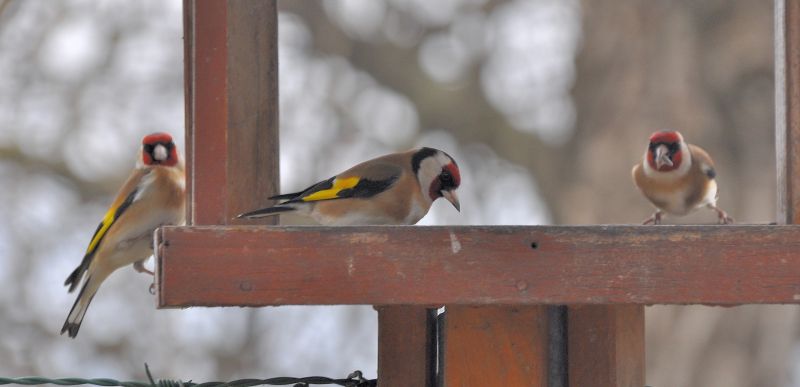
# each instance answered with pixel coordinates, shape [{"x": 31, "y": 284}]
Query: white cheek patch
[
  {"x": 442, "y": 159},
  {"x": 429, "y": 170}
]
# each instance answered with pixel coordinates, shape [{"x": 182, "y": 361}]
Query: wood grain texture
[
  {"x": 232, "y": 108},
  {"x": 606, "y": 345},
  {"x": 253, "y": 173},
  {"x": 495, "y": 346},
  {"x": 787, "y": 109},
  {"x": 257, "y": 265},
  {"x": 207, "y": 110},
  {"x": 406, "y": 346}
]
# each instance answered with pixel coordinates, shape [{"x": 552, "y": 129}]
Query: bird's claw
[
  {"x": 152, "y": 289},
  {"x": 654, "y": 219},
  {"x": 139, "y": 267},
  {"x": 723, "y": 216}
]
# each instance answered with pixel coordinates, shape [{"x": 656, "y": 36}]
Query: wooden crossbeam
[{"x": 261, "y": 265}]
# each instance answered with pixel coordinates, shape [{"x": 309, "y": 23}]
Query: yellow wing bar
[
  {"x": 110, "y": 217},
  {"x": 105, "y": 224},
  {"x": 332, "y": 193}
]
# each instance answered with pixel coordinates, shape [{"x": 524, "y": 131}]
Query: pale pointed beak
[
  {"x": 452, "y": 198},
  {"x": 662, "y": 157},
  {"x": 160, "y": 152}
]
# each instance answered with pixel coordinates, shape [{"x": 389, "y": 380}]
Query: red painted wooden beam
[
  {"x": 257, "y": 265},
  {"x": 606, "y": 345},
  {"x": 406, "y": 346}
]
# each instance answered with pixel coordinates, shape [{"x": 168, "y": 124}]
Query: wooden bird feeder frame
[{"x": 500, "y": 284}]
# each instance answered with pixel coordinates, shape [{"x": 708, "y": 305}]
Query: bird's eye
[
  {"x": 148, "y": 148},
  {"x": 446, "y": 178},
  {"x": 673, "y": 147}
]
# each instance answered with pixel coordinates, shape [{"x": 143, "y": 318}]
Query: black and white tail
[{"x": 81, "y": 305}]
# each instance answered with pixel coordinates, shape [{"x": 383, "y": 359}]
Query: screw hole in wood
[{"x": 534, "y": 245}]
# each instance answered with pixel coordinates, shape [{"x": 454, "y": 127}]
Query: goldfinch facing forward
[
  {"x": 152, "y": 196},
  {"x": 398, "y": 188},
  {"x": 677, "y": 177}
]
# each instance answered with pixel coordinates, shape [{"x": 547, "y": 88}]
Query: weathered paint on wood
[
  {"x": 406, "y": 346},
  {"x": 606, "y": 345},
  {"x": 252, "y": 266},
  {"x": 231, "y": 75},
  {"x": 496, "y": 346}
]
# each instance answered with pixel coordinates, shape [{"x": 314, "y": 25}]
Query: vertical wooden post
[
  {"x": 496, "y": 346},
  {"x": 406, "y": 346},
  {"x": 231, "y": 75},
  {"x": 606, "y": 345},
  {"x": 787, "y": 109}
]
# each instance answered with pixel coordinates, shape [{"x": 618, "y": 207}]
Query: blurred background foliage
[{"x": 546, "y": 104}]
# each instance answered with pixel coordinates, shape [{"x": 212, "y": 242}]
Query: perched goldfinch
[
  {"x": 677, "y": 177},
  {"x": 152, "y": 196},
  {"x": 398, "y": 188}
]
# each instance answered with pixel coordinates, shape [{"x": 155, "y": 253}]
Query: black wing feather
[
  {"x": 295, "y": 197},
  {"x": 75, "y": 277},
  {"x": 367, "y": 188}
]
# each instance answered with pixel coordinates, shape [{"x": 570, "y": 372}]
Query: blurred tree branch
[{"x": 54, "y": 167}]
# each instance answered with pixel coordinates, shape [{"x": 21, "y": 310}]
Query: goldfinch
[
  {"x": 677, "y": 177},
  {"x": 152, "y": 196},
  {"x": 394, "y": 189}
]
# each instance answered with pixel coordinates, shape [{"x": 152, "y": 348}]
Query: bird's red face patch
[
  {"x": 153, "y": 138},
  {"x": 150, "y": 144},
  {"x": 677, "y": 157},
  {"x": 665, "y": 136},
  {"x": 664, "y": 151},
  {"x": 448, "y": 180},
  {"x": 453, "y": 169}
]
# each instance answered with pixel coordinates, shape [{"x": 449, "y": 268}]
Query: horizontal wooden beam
[{"x": 263, "y": 265}]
